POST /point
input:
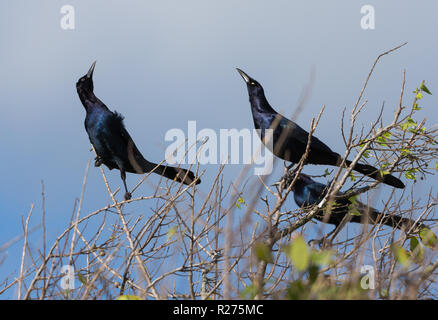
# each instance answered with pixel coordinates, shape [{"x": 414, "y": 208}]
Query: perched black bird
[
  {"x": 290, "y": 140},
  {"x": 308, "y": 192},
  {"x": 112, "y": 142}
]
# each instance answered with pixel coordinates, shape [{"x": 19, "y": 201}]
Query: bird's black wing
[
  {"x": 121, "y": 145},
  {"x": 295, "y": 142}
]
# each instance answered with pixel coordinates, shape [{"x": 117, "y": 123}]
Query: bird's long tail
[
  {"x": 374, "y": 173},
  {"x": 178, "y": 174},
  {"x": 141, "y": 165},
  {"x": 393, "y": 221}
]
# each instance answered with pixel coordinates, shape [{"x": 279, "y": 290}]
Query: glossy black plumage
[
  {"x": 308, "y": 192},
  {"x": 112, "y": 142},
  {"x": 290, "y": 140}
]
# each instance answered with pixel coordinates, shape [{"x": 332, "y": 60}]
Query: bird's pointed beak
[
  {"x": 90, "y": 72},
  {"x": 244, "y": 75}
]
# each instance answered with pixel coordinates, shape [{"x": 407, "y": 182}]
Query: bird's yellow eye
[{"x": 252, "y": 83}]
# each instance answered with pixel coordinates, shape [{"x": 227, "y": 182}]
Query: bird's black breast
[{"x": 96, "y": 125}]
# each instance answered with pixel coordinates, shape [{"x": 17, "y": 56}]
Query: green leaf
[
  {"x": 424, "y": 88},
  {"x": 401, "y": 255},
  {"x": 353, "y": 199},
  {"x": 249, "y": 292},
  {"x": 239, "y": 202},
  {"x": 428, "y": 238},
  {"x": 382, "y": 141},
  {"x": 384, "y": 172},
  {"x": 416, "y": 249},
  {"x": 128, "y": 297},
  {"x": 436, "y": 166},
  {"x": 81, "y": 278},
  {"x": 171, "y": 232},
  {"x": 322, "y": 258},
  {"x": 326, "y": 173},
  {"x": 410, "y": 174},
  {"x": 419, "y": 96},
  {"x": 299, "y": 253},
  {"x": 408, "y": 123},
  {"x": 352, "y": 209},
  {"x": 313, "y": 271},
  {"x": 263, "y": 252},
  {"x": 297, "y": 290}
]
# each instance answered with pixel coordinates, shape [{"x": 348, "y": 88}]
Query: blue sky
[{"x": 163, "y": 63}]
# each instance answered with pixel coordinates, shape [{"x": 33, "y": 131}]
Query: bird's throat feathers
[
  {"x": 89, "y": 100},
  {"x": 259, "y": 103}
]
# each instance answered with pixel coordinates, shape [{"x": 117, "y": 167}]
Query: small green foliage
[
  {"x": 263, "y": 252},
  {"x": 424, "y": 88},
  {"x": 352, "y": 207},
  {"x": 410, "y": 174},
  {"x": 333, "y": 204},
  {"x": 401, "y": 255},
  {"x": 416, "y": 131},
  {"x": 352, "y": 177},
  {"x": 353, "y": 199},
  {"x": 382, "y": 170},
  {"x": 408, "y": 124},
  {"x": 321, "y": 258},
  {"x": 436, "y": 166},
  {"x": 383, "y": 139},
  {"x": 405, "y": 152},
  {"x": 428, "y": 238},
  {"x": 82, "y": 279},
  {"x": 298, "y": 252},
  {"x": 416, "y": 249},
  {"x": 366, "y": 153},
  {"x": 419, "y": 95},
  {"x": 240, "y": 202},
  {"x": 249, "y": 292},
  {"x": 297, "y": 290},
  {"x": 171, "y": 232}
]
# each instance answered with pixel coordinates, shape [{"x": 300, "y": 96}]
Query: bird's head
[
  {"x": 302, "y": 179},
  {"x": 86, "y": 82},
  {"x": 254, "y": 88}
]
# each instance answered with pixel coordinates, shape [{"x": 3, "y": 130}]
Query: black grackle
[{"x": 113, "y": 144}]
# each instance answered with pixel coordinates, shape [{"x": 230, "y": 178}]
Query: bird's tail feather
[
  {"x": 374, "y": 173},
  {"x": 141, "y": 165},
  {"x": 391, "y": 220},
  {"x": 173, "y": 173},
  {"x": 178, "y": 174}
]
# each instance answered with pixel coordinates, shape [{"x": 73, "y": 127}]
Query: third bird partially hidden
[{"x": 112, "y": 142}]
